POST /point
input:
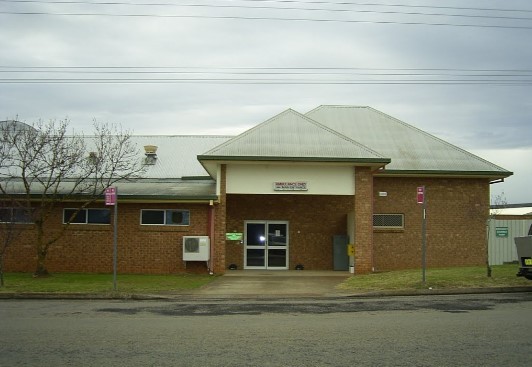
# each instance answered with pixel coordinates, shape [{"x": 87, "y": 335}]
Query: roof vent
[{"x": 151, "y": 154}]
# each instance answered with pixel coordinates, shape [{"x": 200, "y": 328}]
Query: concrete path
[{"x": 261, "y": 283}]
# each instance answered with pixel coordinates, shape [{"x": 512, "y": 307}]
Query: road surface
[{"x": 466, "y": 330}]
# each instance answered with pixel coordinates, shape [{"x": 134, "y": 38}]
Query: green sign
[
  {"x": 501, "y": 231},
  {"x": 234, "y": 236}
]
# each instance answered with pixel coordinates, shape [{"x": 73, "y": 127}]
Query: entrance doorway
[{"x": 266, "y": 245}]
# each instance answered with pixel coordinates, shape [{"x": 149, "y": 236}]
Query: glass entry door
[{"x": 266, "y": 245}]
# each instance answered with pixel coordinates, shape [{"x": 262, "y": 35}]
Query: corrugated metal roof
[
  {"x": 145, "y": 188},
  {"x": 409, "y": 148},
  {"x": 511, "y": 211},
  {"x": 292, "y": 135},
  {"x": 171, "y": 189},
  {"x": 177, "y": 154}
]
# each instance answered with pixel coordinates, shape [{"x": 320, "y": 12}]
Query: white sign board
[{"x": 290, "y": 186}]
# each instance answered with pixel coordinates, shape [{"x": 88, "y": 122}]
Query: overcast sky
[{"x": 460, "y": 70}]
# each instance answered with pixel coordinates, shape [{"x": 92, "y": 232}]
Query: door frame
[{"x": 266, "y": 246}]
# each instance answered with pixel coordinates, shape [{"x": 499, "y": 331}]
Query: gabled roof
[
  {"x": 410, "y": 149},
  {"x": 291, "y": 136}
]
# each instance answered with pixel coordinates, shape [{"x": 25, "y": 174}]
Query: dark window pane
[
  {"x": 5, "y": 215},
  {"x": 177, "y": 217},
  {"x": 255, "y": 257},
  {"x": 152, "y": 217},
  {"x": 80, "y": 217},
  {"x": 99, "y": 216},
  {"x": 22, "y": 216},
  {"x": 277, "y": 258},
  {"x": 255, "y": 234},
  {"x": 277, "y": 234}
]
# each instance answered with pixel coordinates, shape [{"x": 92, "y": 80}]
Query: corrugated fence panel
[{"x": 501, "y": 239}]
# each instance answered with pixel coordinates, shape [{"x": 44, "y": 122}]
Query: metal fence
[{"x": 501, "y": 246}]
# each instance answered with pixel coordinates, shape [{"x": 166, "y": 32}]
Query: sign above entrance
[{"x": 290, "y": 186}]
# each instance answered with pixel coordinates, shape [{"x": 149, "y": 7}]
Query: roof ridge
[
  {"x": 306, "y": 118},
  {"x": 335, "y": 106},
  {"x": 340, "y": 135},
  {"x": 182, "y": 136},
  {"x": 244, "y": 134}
]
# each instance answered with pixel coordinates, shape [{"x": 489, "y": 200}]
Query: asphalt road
[{"x": 467, "y": 330}]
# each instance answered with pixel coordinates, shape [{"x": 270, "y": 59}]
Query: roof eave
[
  {"x": 445, "y": 173},
  {"x": 371, "y": 161},
  {"x": 144, "y": 198},
  {"x": 167, "y": 198}
]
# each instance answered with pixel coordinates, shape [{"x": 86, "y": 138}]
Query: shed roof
[
  {"x": 145, "y": 189},
  {"x": 511, "y": 211}
]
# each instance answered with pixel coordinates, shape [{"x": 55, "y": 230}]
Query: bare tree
[
  {"x": 8, "y": 227},
  {"x": 12, "y": 215},
  {"x": 44, "y": 166}
]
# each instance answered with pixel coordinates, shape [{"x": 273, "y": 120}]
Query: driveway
[{"x": 261, "y": 283}]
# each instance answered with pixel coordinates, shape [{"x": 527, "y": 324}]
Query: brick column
[
  {"x": 363, "y": 220},
  {"x": 220, "y": 225}
]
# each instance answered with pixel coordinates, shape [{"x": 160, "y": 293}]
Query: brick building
[{"x": 292, "y": 191}]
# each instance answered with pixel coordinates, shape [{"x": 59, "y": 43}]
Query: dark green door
[{"x": 340, "y": 257}]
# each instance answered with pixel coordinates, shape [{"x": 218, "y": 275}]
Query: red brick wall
[
  {"x": 364, "y": 253},
  {"x": 220, "y": 226},
  {"x": 313, "y": 221},
  {"x": 457, "y": 211},
  {"x": 141, "y": 249}
]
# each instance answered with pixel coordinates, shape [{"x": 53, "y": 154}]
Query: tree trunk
[
  {"x": 41, "y": 266},
  {"x": 1, "y": 270},
  {"x": 42, "y": 250}
]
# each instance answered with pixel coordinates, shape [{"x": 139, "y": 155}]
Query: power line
[
  {"x": 248, "y": 68},
  {"x": 285, "y": 8},
  {"x": 256, "y": 81},
  {"x": 339, "y": 73},
  {"x": 253, "y": 70},
  {"x": 226, "y": 17},
  {"x": 275, "y": 1}
]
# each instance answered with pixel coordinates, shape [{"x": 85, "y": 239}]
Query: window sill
[
  {"x": 388, "y": 230},
  {"x": 156, "y": 228},
  {"x": 89, "y": 227}
]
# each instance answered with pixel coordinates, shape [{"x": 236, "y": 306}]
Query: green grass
[
  {"x": 442, "y": 278},
  {"x": 102, "y": 283},
  {"x": 447, "y": 278}
]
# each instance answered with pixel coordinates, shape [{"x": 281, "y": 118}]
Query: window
[
  {"x": 168, "y": 217},
  {"x": 87, "y": 216},
  {"x": 388, "y": 220},
  {"x": 16, "y": 215}
]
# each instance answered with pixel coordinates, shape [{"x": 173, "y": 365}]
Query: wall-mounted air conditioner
[{"x": 196, "y": 248}]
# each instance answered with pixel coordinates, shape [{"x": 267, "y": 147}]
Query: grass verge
[
  {"x": 102, "y": 283},
  {"x": 442, "y": 278}
]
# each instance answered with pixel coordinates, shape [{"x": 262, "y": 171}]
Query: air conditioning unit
[{"x": 196, "y": 248}]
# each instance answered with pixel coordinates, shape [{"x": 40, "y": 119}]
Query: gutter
[
  {"x": 292, "y": 159},
  {"x": 496, "y": 175}
]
